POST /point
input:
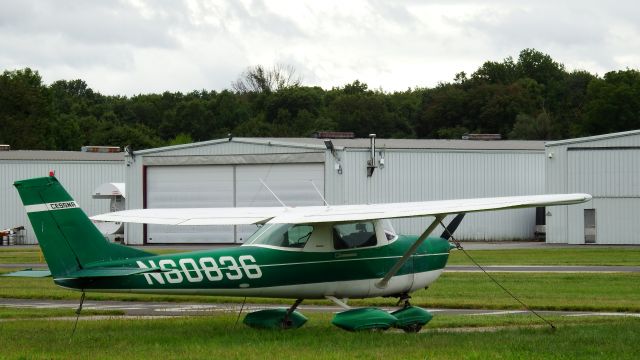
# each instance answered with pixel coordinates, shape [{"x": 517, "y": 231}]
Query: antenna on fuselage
[
  {"x": 319, "y": 193},
  {"x": 272, "y": 193}
]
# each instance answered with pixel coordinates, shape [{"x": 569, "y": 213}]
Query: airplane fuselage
[{"x": 268, "y": 271}]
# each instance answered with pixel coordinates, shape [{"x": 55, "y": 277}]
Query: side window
[
  {"x": 354, "y": 235},
  {"x": 298, "y": 235}
]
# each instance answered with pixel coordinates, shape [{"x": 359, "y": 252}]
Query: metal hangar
[
  {"x": 607, "y": 167},
  {"x": 80, "y": 172},
  {"x": 230, "y": 172}
]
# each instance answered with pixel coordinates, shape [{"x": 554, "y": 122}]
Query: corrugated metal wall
[
  {"x": 608, "y": 168},
  {"x": 80, "y": 178},
  {"x": 422, "y": 175}
]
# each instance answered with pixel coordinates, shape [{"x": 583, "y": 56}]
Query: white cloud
[{"x": 138, "y": 46}]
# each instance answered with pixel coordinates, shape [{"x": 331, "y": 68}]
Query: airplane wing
[
  {"x": 315, "y": 214},
  {"x": 195, "y": 216},
  {"x": 425, "y": 208}
]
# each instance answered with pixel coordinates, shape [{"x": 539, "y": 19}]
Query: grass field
[
  {"x": 582, "y": 255},
  {"x": 30, "y": 313},
  {"x": 216, "y": 337}
]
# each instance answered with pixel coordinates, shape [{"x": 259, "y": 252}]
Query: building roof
[
  {"x": 593, "y": 138},
  {"x": 390, "y": 144},
  {"x": 59, "y": 155},
  {"x": 420, "y": 143}
]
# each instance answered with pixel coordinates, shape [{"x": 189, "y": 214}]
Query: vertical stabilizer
[{"x": 68, "y": 238}]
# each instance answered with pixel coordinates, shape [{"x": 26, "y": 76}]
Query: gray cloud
[
  {"x": 133, "y": 46},
  {"x": 93, "y": 22}
]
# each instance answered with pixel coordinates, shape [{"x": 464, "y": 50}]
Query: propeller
[{"x": 453, "y": 225}]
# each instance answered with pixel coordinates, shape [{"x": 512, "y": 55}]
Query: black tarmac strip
[{"x": 164, "y": 309}]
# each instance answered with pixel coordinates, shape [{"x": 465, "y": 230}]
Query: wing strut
[{"x": 385, "y": 280}]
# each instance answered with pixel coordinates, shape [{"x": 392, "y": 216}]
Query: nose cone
[
  {"x": 438, "y": 245},
  {"x": 437, "y": 250}
]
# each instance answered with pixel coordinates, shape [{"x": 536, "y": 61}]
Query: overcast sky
[{"x": 141, "y": 46}]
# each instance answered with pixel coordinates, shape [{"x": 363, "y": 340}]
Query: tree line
[{"x": 532, "y": 97}]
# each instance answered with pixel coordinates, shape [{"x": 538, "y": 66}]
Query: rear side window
[{"x": 354, "y": 235}]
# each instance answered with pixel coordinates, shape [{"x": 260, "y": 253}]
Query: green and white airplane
[{"x": 318, "y": 252}]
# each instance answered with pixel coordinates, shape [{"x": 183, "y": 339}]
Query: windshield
[
  {"x": 282, "y": 235},
  {"x": 389, "y": 232}
]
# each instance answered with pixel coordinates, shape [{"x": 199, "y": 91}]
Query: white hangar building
[
  {"x": 227, "y": 173},
  {"x": 80, "y": 173},
  {"x": 608, "y": 168}
]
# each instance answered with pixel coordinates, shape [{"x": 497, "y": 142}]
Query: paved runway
[{"x": 164, "y": 309}]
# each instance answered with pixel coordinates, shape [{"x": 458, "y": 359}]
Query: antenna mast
[
  {"x": 319, "y": 193},
  {"x": 272, "y": 193}
]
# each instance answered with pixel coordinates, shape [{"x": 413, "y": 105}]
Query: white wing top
[{"x": 315, "y": 214}]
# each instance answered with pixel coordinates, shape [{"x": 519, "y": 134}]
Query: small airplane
[{"x": 315, "y": 252}]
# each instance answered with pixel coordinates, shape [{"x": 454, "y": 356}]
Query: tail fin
[{"x": 68, "y": 238}]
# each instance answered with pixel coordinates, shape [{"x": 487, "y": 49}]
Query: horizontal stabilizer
[
  {"x": 31, "y": 273},
  {"x": 110, "y": 272}
]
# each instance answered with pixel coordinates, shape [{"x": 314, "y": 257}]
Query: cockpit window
[
  {"x": 282, "y": 235},
  {"x": 354, "y": 235}
]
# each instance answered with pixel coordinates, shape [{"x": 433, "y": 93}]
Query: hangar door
[{"x": 226, "y": 186}]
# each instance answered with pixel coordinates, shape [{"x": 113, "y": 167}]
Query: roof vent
[
  {"x": 100, "y": 149},
  {"x": 333, "y": 135},
  {"x": 481, "y": 137}
]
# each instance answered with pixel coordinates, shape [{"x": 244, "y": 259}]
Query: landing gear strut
[
  {"x": 286, "y": 321},
  {"x": 404, "y": 300}
]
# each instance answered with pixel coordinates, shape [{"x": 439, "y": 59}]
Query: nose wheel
[{"x": 276, "y": 318}]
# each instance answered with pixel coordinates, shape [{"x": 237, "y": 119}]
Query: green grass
[
  {"x": 580, "y": 255},
  {"x": 30, "y": 255},
  {"x": 570, "y": 291},
  {"x": 216, "y": 337},
  {"x": 31, "y": 313},
  {"x": 552, "y": 291}
]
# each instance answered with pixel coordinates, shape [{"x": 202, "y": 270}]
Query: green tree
[
  {"x": 613, "y": 103},
  {"x": 25, "y": 111}
]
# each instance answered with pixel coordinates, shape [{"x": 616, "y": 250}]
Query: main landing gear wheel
[{"x": 276, "y": 318}]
